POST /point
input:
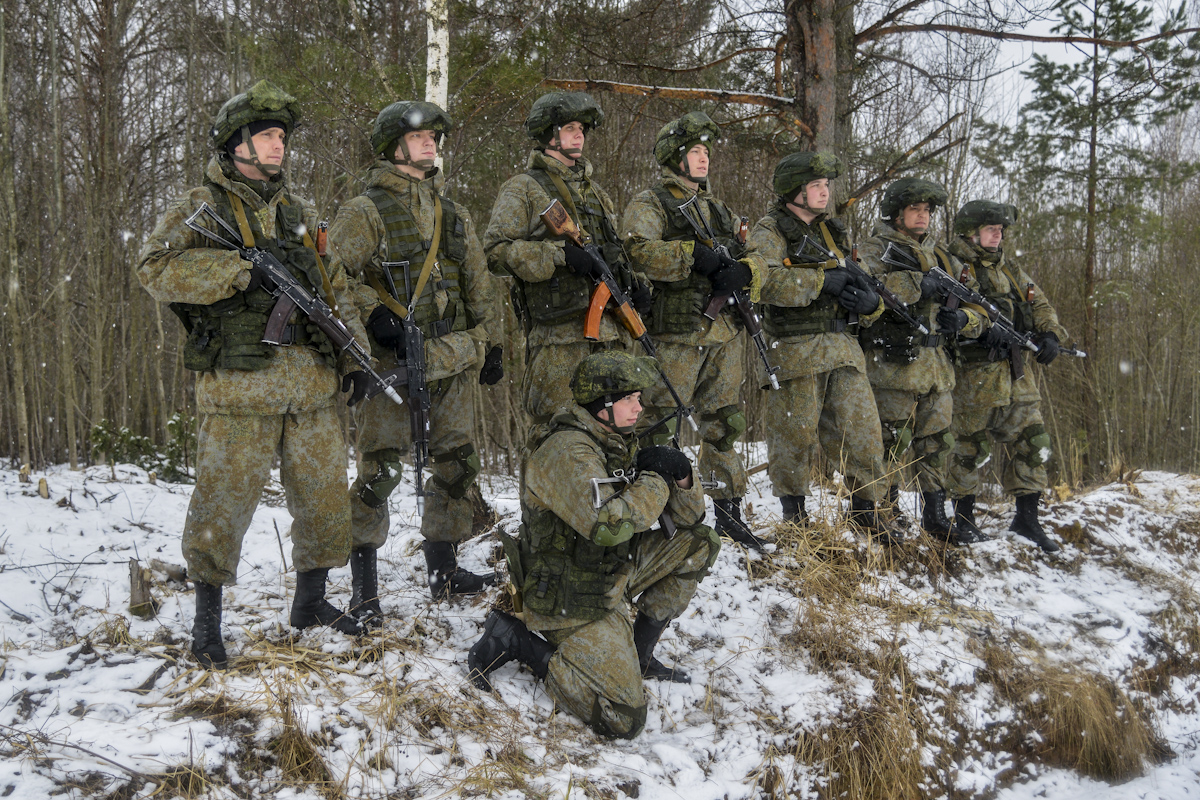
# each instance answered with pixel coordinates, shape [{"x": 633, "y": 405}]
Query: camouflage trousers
[
  {"x": 1019, "y": 427},
  {"x": 594, "y": 673},
  {"x": 710, "y": 378},
  {"x": 234, "y": 460},
  {"x": 385, "y": 449},
  {"x": 916, "y": 435},
  {"x": 547, "y": 382},
  {"x": 834, "y": 411}
]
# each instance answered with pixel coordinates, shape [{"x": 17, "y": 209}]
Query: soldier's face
[
  {"x": 422, "y": 146},
  {"x": 625, "y": 412},
  {"x": 268, "y": 145},
  {"x": 570, "y": 139},
  {"x": 990, "y": 236},
  {"x": 817, "y": 193},
  {"x": 915, "y": 218},
  {"x": 697, "y": 162}
]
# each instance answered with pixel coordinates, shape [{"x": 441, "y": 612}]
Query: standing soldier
[
  {"x": 812, "y": 309},
  {"x": 554, "y": 278},
  {"x": 258, "y": 400},
  {"x": 402, "y": 225},
  {"x": 702, "y": 357},
  {"x": 586, "y": 551},
  {"x": 911, "y": 373},
  {"x": 987, "y": 400}
]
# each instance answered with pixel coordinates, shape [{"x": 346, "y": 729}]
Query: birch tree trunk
[{"x": 437, "y": 65}]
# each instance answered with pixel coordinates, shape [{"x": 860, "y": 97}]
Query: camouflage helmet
[
  {"x": 264, "y": 101},
  {"x": 555, "y": 109},
  {"x": 977, "y": 213},
  {"x": 406, "y": 116},
  {"x": 679, "y": 136},
  {"x": 908, "y": 191},
  {"x": 612, "y": 372},
  {"x": 797, "y": 170}
]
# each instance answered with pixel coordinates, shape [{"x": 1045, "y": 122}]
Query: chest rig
[
  {"x": 896, "y": 340},
  {"x": 998, "y": 284},
  {"x": 824, "y": 314}
]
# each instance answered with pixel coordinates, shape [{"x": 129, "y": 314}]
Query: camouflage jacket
[
  {"x": 931, "y": 369},
  {"x": 176, "y": 265},
  {"x": 558, "y": 478},
  {"x": 358, "y": 243},
  {"x": 987, "y": 383},
  {"x": 644, "y": 222},
  {"x": 798, "y": 285},
  {"x": 516, "y": 243}
]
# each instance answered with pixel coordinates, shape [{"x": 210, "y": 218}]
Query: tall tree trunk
[
  {"x": 818, "y": 32},
  {"x": 1092, "y": 410}
]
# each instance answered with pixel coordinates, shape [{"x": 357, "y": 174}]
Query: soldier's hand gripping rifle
[
  {"x": 412, "y": 368},
  {"x": 737, "y": 297},
  {"x": 292, "y": 296},
  {"x": 559, "y": 222}
]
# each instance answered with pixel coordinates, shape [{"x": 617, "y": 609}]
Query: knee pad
[
  {"x": 635, "y": 714},
  {"x": 388, "y": 472},
  {"x": 467, "y": 461},
  {"x": 1036, "y": 445},
  {"x": 902, "y": 436},
  {"x": 665, "y": 434},
  {"x": 943, "y": 445},
  {"x": 734, "y": 422},
  {"x": 982, "y": 447}
]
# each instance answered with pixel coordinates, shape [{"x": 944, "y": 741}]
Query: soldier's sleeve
[
  {"x": 649, "y": 254},
  {"x": 560, "y": 476},
  {"x": 1045, "y": 318},
  {"x": 176, "y": 265},
  {"x": 687, "y": 505},
  {"x": 354, "y": 240},
  {"x": 507, "y": 242},
  {"x": 783, "y": 286}
]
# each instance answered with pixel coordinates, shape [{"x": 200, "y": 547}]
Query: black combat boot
[
  {"x": 445, "y": 576},
  {"x": 933, "y": 516},
  {"x": 867, "y": 518},
  {"x": 1026, "y": 523},
  {"x": 729, "y": 523},
  {"x": 964, "y": 521},
  {"x": 794, "y": 512},
  {"x": 505, "y": 638},
  {"x": 309, "y": 606},
  {"x": 364, "y": 602},
  {"x": 646, "y": 632},
  {"x": 207, "y": 646}
]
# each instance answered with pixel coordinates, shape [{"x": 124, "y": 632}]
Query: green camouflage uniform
[
  {"x": 518, "y": 245},
  {"x": 987, "y": 401},
  {"x": 358, "y": 241},
  {"x": 824, "y": 397},
  {"x": 284, "y": 404},
  {"x": 580, "y": 594},
  {"x": 702, "y": 358},
  {"x": 911, "y": 375}
]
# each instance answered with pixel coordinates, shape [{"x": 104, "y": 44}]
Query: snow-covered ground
[{"x": 805, "y": 645}]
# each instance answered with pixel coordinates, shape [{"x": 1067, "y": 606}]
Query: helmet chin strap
[
  {"x": 427, "y": 164},
  {"x": 270, "y": 170},
  {"x": 575, "y": 153},
  {"x": 624, "y": 430}
]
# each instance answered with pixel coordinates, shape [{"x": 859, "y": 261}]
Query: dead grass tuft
[
  {"x": 114, "y": 632},
  {"x": 187, "y": 781},
  {"x": 504, "y": 770},
  {"x": 298, "y": 757}
]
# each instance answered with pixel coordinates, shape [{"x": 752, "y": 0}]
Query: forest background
[{"x": 105, "y": 107}]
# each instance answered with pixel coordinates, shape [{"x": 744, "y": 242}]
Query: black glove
[
  {"x": 256, "y": 280},
  {"x": 929, "y": 286},
  {"x": 493, "y": 367},
  {"x": 387, "y": 328},
  {"x": 730, "y": 279},
  {"x": 994, "y": 341},
  {"x": 1049, "y": 345},
  {"x": 578, "y": 260},
  {"x": 705, "y": 260},
  {"x": 857, "y": 301},
  {"x": 666, "y": 461},
  {"x": 952, "y": 320},
  {"x": 641, "y": 296},
  {"x": 836, "y": 280},
  {"x": 356, "y": 383}
]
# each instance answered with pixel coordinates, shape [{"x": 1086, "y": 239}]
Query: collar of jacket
[
  {"x": 670, "y": 179},
  {"x": 782, "y": 205},
  {"x": 539, "y": 160},
  {"x": 966, "y": 250},
  {"x": 885, "y": 230},
  {"x": 224, "y": 173},
  {"x": 579, "y": 419},
  {"x": 387, "y": 176}
]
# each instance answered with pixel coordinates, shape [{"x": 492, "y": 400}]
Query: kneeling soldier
[{"x": 577, "y": 567}]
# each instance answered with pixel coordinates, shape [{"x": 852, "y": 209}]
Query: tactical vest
[
  {"x": 228, "y": 333},
  {"x": 897, "y": 341},
  {"x": 404, "y": 243},
  {"x": 566, "y": 296},
  {"x": 567, "y": 574},
  {"x": 678, "y": 305},
  {"x": 1012, "y": 304},
  {"x": 824, "y": 314}
]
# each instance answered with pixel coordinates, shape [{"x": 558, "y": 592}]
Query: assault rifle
[
  {"x": 292, "y": 296},
  {"x": 559, "y": 222},
  {"x": 737, "y": 298},
  {"x": 890, "y": 300},
  {"x": 624, "y": 479},
  {"x": 412, "y": 368}
]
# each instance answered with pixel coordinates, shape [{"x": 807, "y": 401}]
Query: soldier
[
  {"x": 987, "y": 401},
  {"x": 702, "y": 357},
  {"x": 812, "y": 309},
  {"x": 402, "y": 224},
  {"x": 577, "y": 568},
  {"x": 554, "y": 278},
  {"x": 257, "y": 399},
  {"x": 911, "y": 373}
]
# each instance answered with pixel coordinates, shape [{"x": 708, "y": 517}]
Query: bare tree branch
[
  {"x": 1005, "y": 36},
  {"x": 902, "y": 162},
  {"x": 672, "y": 92}
]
